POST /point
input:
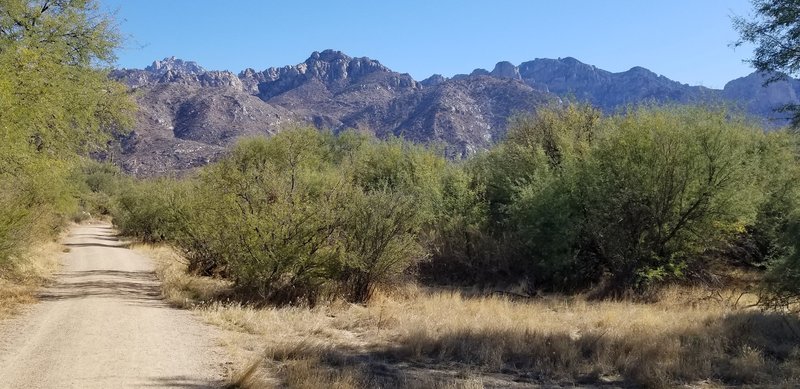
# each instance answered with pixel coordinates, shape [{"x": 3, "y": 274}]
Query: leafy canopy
[{"x": 56, "y": 105}]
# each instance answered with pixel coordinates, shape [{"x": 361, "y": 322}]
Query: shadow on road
[
  {"x": 95, "y": 236},
  {"x": 115, "y": 246},
  {"x": 140, "y": 286},
  {"x": 182, "y": 382}
]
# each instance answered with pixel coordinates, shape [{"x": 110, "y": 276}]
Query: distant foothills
[{"x": 188, "y": 115}]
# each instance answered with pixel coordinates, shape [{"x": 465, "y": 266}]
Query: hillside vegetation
[{"x": 571, "y": 201}]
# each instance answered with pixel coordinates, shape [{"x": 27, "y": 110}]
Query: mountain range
[{"x": 188, "y": 115}]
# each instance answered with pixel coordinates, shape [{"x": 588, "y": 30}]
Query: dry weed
[
  {"x": 178, "y": 287},
  {"x": 419, "y": 338},
  {"x": 20, "y": 282}
]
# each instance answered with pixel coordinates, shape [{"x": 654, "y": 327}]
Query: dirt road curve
[{"x": 102, "y": 324}]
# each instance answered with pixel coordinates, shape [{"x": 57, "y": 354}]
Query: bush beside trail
[
  {"x": 296, "y": 217},
  {"x": 57, "y": 106}
]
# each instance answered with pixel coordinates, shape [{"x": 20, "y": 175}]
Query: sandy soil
[{"x": 103, "y": 324}]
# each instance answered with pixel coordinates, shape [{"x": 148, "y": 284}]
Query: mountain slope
[
  {"x": 188, "y": 115},
  {"x": 749, "y": 94},
  {"x": 607, "y": 90}
]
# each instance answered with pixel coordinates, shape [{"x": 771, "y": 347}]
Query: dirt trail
[{"x": 102, "y": 324}]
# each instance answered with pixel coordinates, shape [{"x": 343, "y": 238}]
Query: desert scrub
[{"x": 298, "y": 218}]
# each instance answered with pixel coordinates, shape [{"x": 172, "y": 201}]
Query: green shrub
[
  {"x": 100, "y": 183},
  {"x": 662, "y": 187},
  {"x": 35, "y": 202},
  {"x": 150, "y": 210},
  {"x": 14, "y": 219},
  {"x": 57, "y": 104},
  {"x": 379, "y": 240},
  {"x": 781, "y": 285},
  {"x": 297, "y": 217},
  {"x": 779, "y": 174},
  {"x": 628, "y": 200},
  {"x": 277, "y": 207},
  {"x": 772, "y": 241},
  {"x": 461, "y": 248}
]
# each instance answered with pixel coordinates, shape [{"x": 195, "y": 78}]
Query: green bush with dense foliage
[
  {"x": 298, "y": 216},
  {"x": 631, "y": 199},
  {"x": 56, "y": 106}
]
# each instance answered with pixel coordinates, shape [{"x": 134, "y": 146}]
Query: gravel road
[{"x": 102, "y": 324}]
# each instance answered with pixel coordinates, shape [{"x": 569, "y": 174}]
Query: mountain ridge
[{"x": 189, "y": 115}]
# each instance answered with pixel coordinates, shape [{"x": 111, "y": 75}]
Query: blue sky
[{"x": 684, "y": 40}]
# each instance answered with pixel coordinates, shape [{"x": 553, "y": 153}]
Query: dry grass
[
  {"x": 418, "y": 338},
  {"x": 179, "y": 288},
  {"x": 20, "y": 282}
]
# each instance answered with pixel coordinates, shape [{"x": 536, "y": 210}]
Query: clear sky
[{"x": 685, "y": 40}]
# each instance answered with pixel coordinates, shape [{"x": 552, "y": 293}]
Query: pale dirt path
[{"x": 102, "y": 324}]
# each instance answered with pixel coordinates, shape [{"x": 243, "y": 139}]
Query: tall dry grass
[
  {"x": 178, "y": 287},
  {"x": 557, "y": 341},
  {"x": 22, "y": 277},
  {"x": 420, "y": 338}
]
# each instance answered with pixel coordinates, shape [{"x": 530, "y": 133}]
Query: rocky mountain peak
[
  {"x": 174, "y": 65},
  {"x": 331, "y": 70},
  {"x": 335, "y": 66},
  {"x": 641, "y": 72},
  {"x": 570, "y": 61},
  {"x": 532, "y": 69},
  {"x": 249, "y": 72},
  {"x": 328, "y": 55},
  {"x": 433, "y": 80},
  {"x": 505, "y": 69}
]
